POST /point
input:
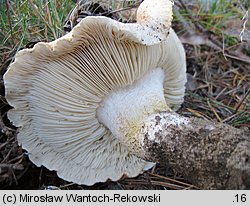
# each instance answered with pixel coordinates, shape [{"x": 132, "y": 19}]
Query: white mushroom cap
[
  {"x": 156, "y": 15},
  {"x": 56, "y": 88}
]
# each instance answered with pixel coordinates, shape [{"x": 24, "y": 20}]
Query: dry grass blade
[
  {"x": 152, "y": 183},
  {"x": 214, "y": 111},
  {"x": 245, "y": 19},
  {"x": 188, "y": 186},
  {"x": 197, "y": 113},
  {"x": 242, "y": 100}
]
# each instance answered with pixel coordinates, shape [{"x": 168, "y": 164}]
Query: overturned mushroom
[
  {"x": 98, "y": 103},
  {"x": 80, "y": 100}
]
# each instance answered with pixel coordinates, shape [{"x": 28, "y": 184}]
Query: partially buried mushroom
[{"x": 80, "y": 100}]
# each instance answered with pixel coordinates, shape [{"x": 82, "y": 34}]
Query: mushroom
[{"x": 80, "y": 100}]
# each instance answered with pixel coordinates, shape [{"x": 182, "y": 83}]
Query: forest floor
[{"x": 216, "y": 37}]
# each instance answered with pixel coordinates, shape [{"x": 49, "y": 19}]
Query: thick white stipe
[{"x": 125, "y": 110}]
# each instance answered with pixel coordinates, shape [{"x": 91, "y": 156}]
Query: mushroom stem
[
  {"x": 123, "y": 112},
  {"x": 209, "y": 155}
]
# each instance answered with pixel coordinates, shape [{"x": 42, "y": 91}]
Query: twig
[
  {"x": 8, "y": 155},
  {"x": 237, "y": 58},
  {"x": 2, "y": 145},
  {"x": 17, "y": 159},
  {"x": 16, "y": 176},
  {"x": 67, "y": 185},
  {"x": 7, "y": 167},
  {"x": 122, "y": 9}
]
